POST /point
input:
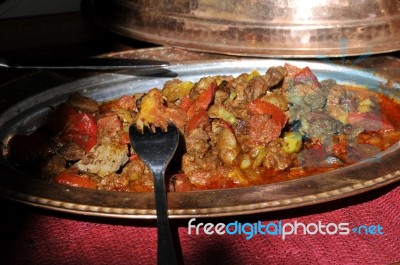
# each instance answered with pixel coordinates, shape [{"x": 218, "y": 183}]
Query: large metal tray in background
[
  {"x": 260, "y": 28},
  {"x": 25, "y": 116}
]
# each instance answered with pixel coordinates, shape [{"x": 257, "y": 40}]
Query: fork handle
[{"x": 166, "y": 252}]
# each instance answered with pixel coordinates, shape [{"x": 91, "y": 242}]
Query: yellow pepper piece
[
  {"x": 251, "y": 75},
  {"x": 343, "y": 118},
  {"x": 174, "y": 93},
  {"x": 292, "y": 142},
  {"x": 258, "y": 153},
  {"x": 125, "y": 116},
  {"x": 238, "y": 176},
  {"x": 246, "y": 162},
  {"x": 227, "y": 116},
  {"x": 364, "y": 105},
  {"x": 221, "y": 113}
]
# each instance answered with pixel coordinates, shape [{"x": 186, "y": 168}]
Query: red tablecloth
[{"x": 30, "y": 235}]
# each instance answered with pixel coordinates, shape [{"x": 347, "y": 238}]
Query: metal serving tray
[{"x": 25, "y": 116}]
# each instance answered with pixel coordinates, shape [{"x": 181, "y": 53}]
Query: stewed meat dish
[{"x": 251, "y": 129}]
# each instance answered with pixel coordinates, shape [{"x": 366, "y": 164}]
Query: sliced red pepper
[
  {"x": 186, "y": 102},
  {"x": 306, "y": 76},
  {"x": 74, "y": 180},
  {"x": 81, "y": 129},
  {"x": 258, "y": 106},
  {"x": 203, "y": 100},
  {"x": 206, "y": 96},
  {"x": 199, "y": 119}
]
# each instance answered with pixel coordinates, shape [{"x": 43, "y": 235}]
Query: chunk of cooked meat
[
  {"x": 53, "y": 166},
  {"x": 256, "y": 88},
  {"x": 109, "y": 128},
  {"x": 197, "y": 143},
  {"x": 83, "y": 104},
  {"x": 201, "y": 85},
  {"x": 223, "y": 92},
  {"x": 321, "y": 126},
  {"x": 339, "y": 102},
  {"x": 71, "y": 151},
  {"x": 209, "y": 162},
  {"x": 114, "y": 182},
  {"x": 275, "y": 75},
  {"x": 104, "y": 159},
  {"x": 241, "y": 127},
  {"x": 276, "y": 157},
  {"x": 134, "y": 169}
]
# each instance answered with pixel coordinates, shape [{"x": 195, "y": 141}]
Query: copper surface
[{"x": 262, "y": 28}]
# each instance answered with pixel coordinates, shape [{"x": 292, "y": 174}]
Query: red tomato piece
[
  {"x": 258, "y": 106},
  {"x": 203, "y": 100},
  {"x": 81, "y": 129},
  {"x": 199, "y": 119},
  {"x": 74, "y": 180},
  {"x": 263, "y": 129}
]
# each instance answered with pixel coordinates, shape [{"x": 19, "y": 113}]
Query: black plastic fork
[{"x": 156, "y": 149}]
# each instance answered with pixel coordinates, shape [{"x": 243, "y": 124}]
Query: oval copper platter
[{"x": 25, "y": 116}]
